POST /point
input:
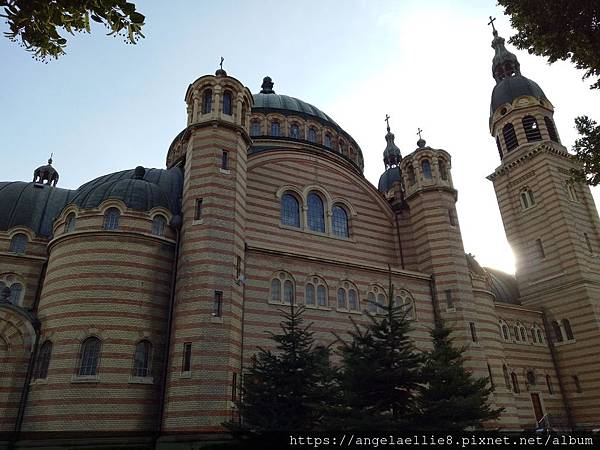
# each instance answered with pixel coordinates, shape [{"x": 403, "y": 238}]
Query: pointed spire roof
[{"x": 391, "y": 155}]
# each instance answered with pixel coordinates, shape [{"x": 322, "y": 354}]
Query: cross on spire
[
  {"x": 221, "y": 64},
  {"x": 419, "y": 131},
  {"x": 387, "y": 120},
  {"x": 491, "y": 22}
]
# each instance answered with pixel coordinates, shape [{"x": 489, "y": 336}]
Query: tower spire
[
  {"x": 391, "y": 155},
  {"x": 505, "y": 64}
]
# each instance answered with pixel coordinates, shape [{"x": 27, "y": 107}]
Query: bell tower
[
  {"x": 206, "y": 336},
  {"x": 552, "y": 226}
]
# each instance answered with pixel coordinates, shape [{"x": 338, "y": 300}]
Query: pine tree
[
  {"x": 379, "y": 374},
  {"x": 450, "y": 398},
  {"x": 288, "y": 389}
]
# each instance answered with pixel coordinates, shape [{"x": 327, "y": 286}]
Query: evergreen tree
[
  {"x": 290, "y": 388},
  {"x": 379, "y": 374},
  {"x": 450, "y": 398}
]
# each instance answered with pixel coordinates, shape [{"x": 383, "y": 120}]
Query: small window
[
  {"x": 451, "y": 217},
  {"x": 531, "y": 380},
  {"x": 491, "y": 378},
  {"x": 426, "y": 169},
  {"x": 588, "y": 243},
  {"x": 406, "y": 301},
  {"x": 111, "y": 219},
  {"x": 505, "y": 332},
  {"x": 309, "y": 295},
  {"x": 234, "y": 386},
  {"x": 217, "y": 309},
  {"x": 238, "y": 267},
  {"x": 540, "y": 248},
  {"x": 15, "y": 293},
  {"x": 290, "y": 211},
  {"x": 551, "y": 129},
  {"x": 186, "y": 364},
  {"x": 412, "y": 179},
  {"x": 532, "y": 130},
  {"x": 274, "y": 128},
  {"x": 225, "y": 160},
  {"x": 339, "y": 221},
  {"x": 159, "y": 223},
  {"x": 275, "y": 290},
  {"x": 549, "y": 385},
  {"x": 327, "y": 140},
  {"x": 198, "y": 211},
  {"x": 312, "y": 135},
  {"x": 295, "y": 131},
  {"x": 381, "y": 302},
  {"x": 510, "y": 137},
  {"x": 142, "y": 359},
  {"x": 255, "y": 128},
  {"x": 207, "y": 101},
  {"x": 516, "y": 333},
  {"x": 533, "y": 336},
  {"x": 515, "y": 383},
  {"x": 449, "y": 300},
  {"x": 572, "y": 192},
  {"x": 70, "y": 223},
  {"x": 243, "y": 118},
  {"x": 371, "y": 303},
  {"x": 473, "y": 331},
  {"x": 506, "y": 376},
  {"x": 557, "y": 331},
  {"x": 18, "y": 243},
  {"x": 90, "y": 354},
  {"x": 316, "y": 213},
  {"x": 443, "y": 169},
  {"x": 577, "y": 383},
  {"x": 341, "y": 297},
  {"x": 540, "y": 336},
  {"x": 40, "y": 371},
  {"x": 526, "y": 198},
  {"x": 499, "y": 147},
  {"x": 321, "y": 295},
  {"x": 568, "y": 330},
  {"x": 353, "y": 300},
  {"x": 288, "y": 292},
  {"x": 227, "y": 103}
]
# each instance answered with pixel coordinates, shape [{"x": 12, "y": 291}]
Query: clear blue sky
[{"x": 107, "y": 106}]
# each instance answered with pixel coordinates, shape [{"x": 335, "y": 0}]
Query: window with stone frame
[
  {"x": 290, "y": 210},
  {"x": 282, "y": 289},
  {"x": 89, "y": 357},
  {"x": 404, "y": 299},
  {"x": 142, "y": 359},
  {"x": 18, "y": 243},
  {"x": 207, "y": 101},
  {"x": 316, "y": 213},
  {"x": 111, "y": 219},
  {"x": 42, "y": 362},
  {"x": 339, "y": 221}
]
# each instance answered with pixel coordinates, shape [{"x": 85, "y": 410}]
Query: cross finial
[
  {"x": 491, "y": 22},
  {"x": 221, "y": 64},
  {"x": 419, "y": 131},
  {"x": 50, "y": 160},
  {"x": 387, "y": 120}
]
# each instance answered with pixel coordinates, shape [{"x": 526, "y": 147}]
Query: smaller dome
[
  {"x": 387, "y": 180},
  {"x": 512, "y": 87},
  {"x": 504, "y": 286}
]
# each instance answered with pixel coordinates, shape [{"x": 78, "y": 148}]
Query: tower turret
[{"x": 391, "y": 160}]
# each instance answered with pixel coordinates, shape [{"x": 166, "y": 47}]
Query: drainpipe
[
  {"x": 554, "y": 356},
  {"x": 241, "y": 375},
  {"x": 399, "y": 240},
  {"x": 176, "y": 223},
  {"x": 433, "y": 290}
]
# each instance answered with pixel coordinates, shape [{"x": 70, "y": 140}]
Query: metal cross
[
  {"x": 419, "y": 131},
  {"x": 222, "y": 59},
  {"x": 491, "y": 22},
  {"x": 387, "y": 120}
]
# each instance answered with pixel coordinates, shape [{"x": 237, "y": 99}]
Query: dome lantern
[
  {"x": 391, "y": 155},
  {"x": 46, "y": 174}
]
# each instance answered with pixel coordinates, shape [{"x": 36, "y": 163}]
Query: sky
[{"x": 106, "y": 106}]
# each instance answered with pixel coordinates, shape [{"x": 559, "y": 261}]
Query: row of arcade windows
[
  {"x": 112, "y": 218},
  {"x": 426, "y": 170},
  {"x": 290, "y": 214},
  {"x": 283, "y": 290},
  {"x": 520, "y": 334},
  {"x": 532, "y": 133},
  {"x": 89, "y": 358},
  {"x": 227, "y": 103},
  {"x": 15, "y": 288},
  {"x": 512, "y": 381},
  {"x": 562, "y": 330},
  {"x": 294, "y": 132}
]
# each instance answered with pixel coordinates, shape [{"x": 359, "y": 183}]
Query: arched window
[
  {"x": 70, "y": 223},
  {"x": 90, "y": 354},
  {"x": 577, "y": 383},
  {"x": 42, "y": 363},
  {"x": 159, "y": 224},
  {"x": 227, "y": 103},
  {"x": 18, "y": 243},
  {"x": 426, "y": 169},
  {"x": 533, "y": 336},
  {"x": 515, "y": 383},
  {"x": 443, "y": 169},
  {"x": 532, "y": 130},
  {"x": 568, "y": 331},
  {"x": 549, "y": 385},
  {"x": 381, "y": 303},
  {"x": 321, "y": 295},
  {"x": 531, "y": 380},
  {"x": 572, "y": 192},
  {"x": 294, "y": 131},
  {"x": 327, "y": 140},
  {"x": 353, "y": 300},
  {"x": 341, "y": 298},
  {"x": 499, "y": 147},
  {"x": 207, "y": 101},
  {"x": 111, "y": 219},
  {"x": 540, "y": 336},
  {"x": 255, "y": 128},
  {"x": 274, "y": 128},
  {"x": 142, "y": 359},
  {"x": 407, "y": 303},
  {"x": 557, "y": 331},
  {"x": 516, "y": 333},
  {"x": 339, "y": 221},
  {"x": 523, "y": 332},
  {"x": 551, "y": 129},
  {"x": 371, "y": 303},
  {"x": 506, "y": 377},
  {"x": 505, "y": 332},
  {"x": 309, "y": 295},
  {"x": 312, "y": 135},
  {"x": 316, "y": 213},
  {"x": 412, "y": 179},
  {"x": 290, "y": 211},
  {"x": 243, "y": 115},
  {"x": 510, "y": 137},
  {"x": 526, "y": 198},
  {"x": 15, "y": 293},
  {"x": 282, "y": 289}
]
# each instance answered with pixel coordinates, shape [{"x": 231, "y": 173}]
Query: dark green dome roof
[
  {"x": 389, "y": 177},
  {"x": 290, "y": 105},
  {"x": 31, "y": 205},
  {"x": 512, "y": 87},
  {"x": 138, "y": 190},
  {"x": 504, "y": 286}
]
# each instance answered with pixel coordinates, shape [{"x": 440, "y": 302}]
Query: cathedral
[{"x": 131, "y": 306}]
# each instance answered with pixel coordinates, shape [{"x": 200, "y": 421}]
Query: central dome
[{"x": 287, "y": 105}]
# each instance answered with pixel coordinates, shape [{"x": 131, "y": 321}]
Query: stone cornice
[{"x": 528, "y": 152}]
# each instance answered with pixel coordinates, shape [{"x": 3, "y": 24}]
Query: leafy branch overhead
[{"x": 36, "y": 24}]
